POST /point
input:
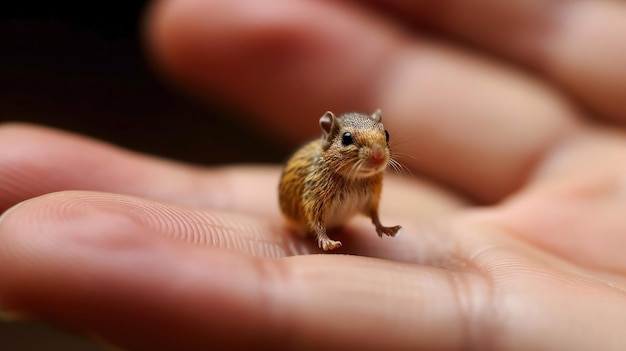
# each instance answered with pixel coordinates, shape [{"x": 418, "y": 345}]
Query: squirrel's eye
[
  {"x": 387, "y": 136},
  {"x": 346, "y": 139}
]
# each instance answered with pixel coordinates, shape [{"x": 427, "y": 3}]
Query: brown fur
[{"x": 321, "y": 184}]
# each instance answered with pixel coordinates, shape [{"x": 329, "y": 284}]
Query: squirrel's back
[{"x": 298, "y": 169}]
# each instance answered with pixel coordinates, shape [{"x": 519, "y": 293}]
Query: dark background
[{"x": 82, "y": 67}]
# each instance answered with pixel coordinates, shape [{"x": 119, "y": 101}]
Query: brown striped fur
[{"x": 326, "y": 182}]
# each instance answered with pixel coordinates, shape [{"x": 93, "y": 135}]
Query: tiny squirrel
[{"x": 331, "y": 179}]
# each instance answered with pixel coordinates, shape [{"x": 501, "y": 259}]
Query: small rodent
[{"x": 331, "y": 179}]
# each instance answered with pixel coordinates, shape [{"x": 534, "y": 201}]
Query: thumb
[
  {"x": 105, "y": 273},
  {"x": 102, "y": 272}
]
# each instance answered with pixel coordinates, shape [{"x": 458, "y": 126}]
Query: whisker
[
  {"x": 355, "y": 168},
  {"x": 404, "y": 154},
  {"x": 348, "y": 167},
  {"x": 399, "y": 142},
  {"x": 344, "y": 165},
  {"x": 392, "y": 163},
  {"x": 399, "y": 167}
]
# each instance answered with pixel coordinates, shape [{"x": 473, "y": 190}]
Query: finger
[
  {"x": 36, "y": 161},
  {"x": 122, "y": 284},
  {"x": 577, "y": 43},
  {"x": 290, "y": 61},
  {"x": 422, "y": 239}
]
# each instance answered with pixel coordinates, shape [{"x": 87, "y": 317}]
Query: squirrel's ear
[
  {"x": 377, "y": 116},
  {"x": 328, "y": 122}
]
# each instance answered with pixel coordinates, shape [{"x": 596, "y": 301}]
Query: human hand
[{"x": 518, "y": 244}]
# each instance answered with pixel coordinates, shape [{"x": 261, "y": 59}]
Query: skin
[{"x": 516, "y": 242}]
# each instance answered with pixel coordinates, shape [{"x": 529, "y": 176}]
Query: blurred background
[{"x": 82, "y": 67}]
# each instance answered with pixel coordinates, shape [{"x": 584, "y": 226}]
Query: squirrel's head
[{"x": 355, "y": 145}]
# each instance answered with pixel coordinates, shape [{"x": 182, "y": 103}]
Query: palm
[{"x": 540, "y": 267}]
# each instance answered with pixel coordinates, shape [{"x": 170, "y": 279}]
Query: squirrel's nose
[{"x": 378, "y": 154}]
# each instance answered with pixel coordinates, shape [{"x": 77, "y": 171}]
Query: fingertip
[
  {"x": 36, "y": 160},
  {"x": 102, "y": 272},
  {"x": 48, "y": 250},
  {"x": 197, "y": 40},
  {"x": 281, "y": 59}
]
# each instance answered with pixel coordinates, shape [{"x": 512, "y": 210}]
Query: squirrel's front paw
[{"x": 389, "y": 231}]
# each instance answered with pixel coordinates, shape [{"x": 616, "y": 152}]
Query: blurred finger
[
  {"x": 579, "y": 44},
  {"x": 291, "y": 61},
  {"x": 37, "y": 160}
]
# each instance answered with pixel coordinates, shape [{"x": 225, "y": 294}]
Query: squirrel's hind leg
[{"x": 323, "y": 241}]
